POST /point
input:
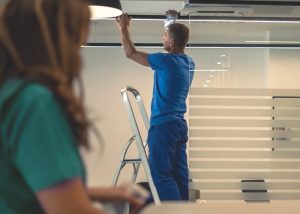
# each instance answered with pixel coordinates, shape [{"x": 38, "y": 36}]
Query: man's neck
[{"x": 176, "y": 51}]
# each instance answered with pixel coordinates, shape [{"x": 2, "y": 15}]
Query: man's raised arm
[{"x": 128, "y": 46}]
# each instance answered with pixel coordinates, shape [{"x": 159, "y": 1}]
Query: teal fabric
[{"x": 37, "y": 146}]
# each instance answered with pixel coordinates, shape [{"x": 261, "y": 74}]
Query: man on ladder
[{"x": 167, "y": 136}]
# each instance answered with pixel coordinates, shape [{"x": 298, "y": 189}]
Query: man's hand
[
  {"x": 172, "y": 13},
  {"x": 171, "y": 16},
  {"x": 123, "y": 21},
  {"x": 117, "y": 194}
]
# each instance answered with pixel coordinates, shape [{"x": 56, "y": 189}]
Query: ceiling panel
[
  {"x": 103, "y": 31},
  {"x": 217, "y": 31},
  {"x": 143, "y": 7}
]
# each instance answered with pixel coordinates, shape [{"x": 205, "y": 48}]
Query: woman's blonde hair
[{"x": 40, "y": 41}]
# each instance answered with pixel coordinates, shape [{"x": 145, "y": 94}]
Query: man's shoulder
[{"x": 157, "y": 54}]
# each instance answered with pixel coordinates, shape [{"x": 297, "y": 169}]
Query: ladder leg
[
  {"x": 126, "y": 209},
  {"x": 122, "y": 164},
  {"x": 117, "y": 174},
  {"x": 136, "y": 167}
]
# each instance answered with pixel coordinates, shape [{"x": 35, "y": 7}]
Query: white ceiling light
[
  {"x": 206, "y": 20},
  {"x": 105, "y": 9},
  {"x": 210, "y": 70},
  {"x": 275, "y": 42}
]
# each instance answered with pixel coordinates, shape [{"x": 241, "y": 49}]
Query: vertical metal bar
[
  {"x": 121, "y": 163},
  {"x": 138, "y": 138},
  {"x": 136, "y": 167},
  {"x": 117, "y": 174}
]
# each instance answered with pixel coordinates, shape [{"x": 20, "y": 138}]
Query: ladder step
[{"x": 132, "y": 161}]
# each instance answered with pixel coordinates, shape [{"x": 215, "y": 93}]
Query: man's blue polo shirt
[{"x": 173, "y": 75}]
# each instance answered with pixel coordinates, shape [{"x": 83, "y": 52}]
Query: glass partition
[{"x": 244, "y": 117}]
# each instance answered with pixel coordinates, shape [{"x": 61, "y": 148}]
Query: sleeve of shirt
[
  {"x": 42, "y": 144},
  {"x": 157, "y": 61}
]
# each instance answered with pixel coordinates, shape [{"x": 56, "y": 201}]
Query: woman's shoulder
[
  {"x": 36, "y": 91},
  {"x": 24, "y": 93}
]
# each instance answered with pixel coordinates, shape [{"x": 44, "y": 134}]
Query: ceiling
[
  {"x": 239, "y": 8},
  {"x": 202, "y": 31},
  {"x": 154, "y": 7}
]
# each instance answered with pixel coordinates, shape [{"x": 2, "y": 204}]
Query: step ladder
[{"x": 141, "y": 146}]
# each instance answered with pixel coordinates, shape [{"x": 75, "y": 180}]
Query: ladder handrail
[
  {"x": 139, "y": 102},
  {"x": 135, "y": 130}
]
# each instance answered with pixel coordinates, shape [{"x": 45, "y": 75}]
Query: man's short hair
[{"x": 180, "y": 33}]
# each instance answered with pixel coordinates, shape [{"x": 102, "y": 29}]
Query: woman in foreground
[{"x": 42, "y": 120}]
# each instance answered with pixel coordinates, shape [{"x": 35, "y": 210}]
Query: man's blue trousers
[{"x": 168, "y": 159}]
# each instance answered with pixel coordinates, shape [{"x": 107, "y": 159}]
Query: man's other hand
[
  {"x": 123, "y": 21},
  {"x": 172, "y": 13}
]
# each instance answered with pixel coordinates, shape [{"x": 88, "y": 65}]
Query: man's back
[{"x": 172, "y": 79}]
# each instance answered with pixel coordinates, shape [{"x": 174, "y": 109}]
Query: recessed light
[{"x": 219, "y": 63}]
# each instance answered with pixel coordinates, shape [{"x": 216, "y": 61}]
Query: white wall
[
  {"x": 284, "y": 69},
  {"x": 106, "y": 71}
]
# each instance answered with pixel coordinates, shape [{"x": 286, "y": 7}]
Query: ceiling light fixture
[
  {"x": 105, "y": 9},
  {"x": 211, "y": 70},
  {"x": 275, "y": 42},
  {"x": 207, "y": 20}
]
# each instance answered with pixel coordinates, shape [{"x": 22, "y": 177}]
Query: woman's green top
[{"x": 37, "y": 146}]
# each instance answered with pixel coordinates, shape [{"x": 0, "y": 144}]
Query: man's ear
[{"x": 172, "y": 43}]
